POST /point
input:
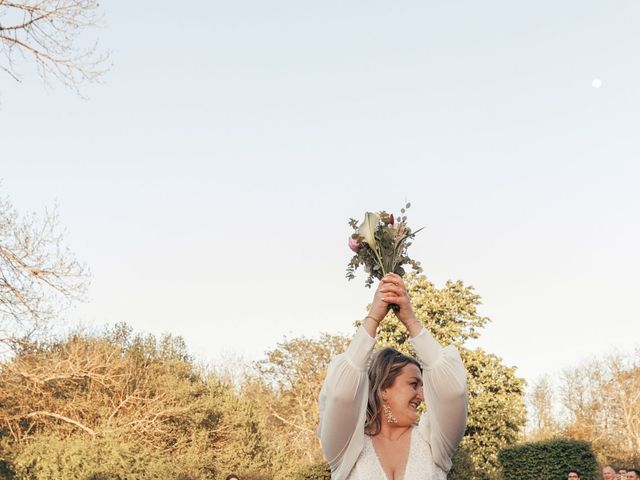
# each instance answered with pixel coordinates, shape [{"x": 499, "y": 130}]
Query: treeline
[
  {"x": 121, "y": 405},
  {"x": 598, "y": 401},
  {"x": 125, "y": 406}
]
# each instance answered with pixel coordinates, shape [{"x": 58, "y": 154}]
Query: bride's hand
[
  {"x": 393, "y": 291},
  {"x": 379, "y": 307}
]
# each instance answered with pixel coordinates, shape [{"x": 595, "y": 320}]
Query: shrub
[
  {"x": 98, "y": 459},
  {"x": 549, "y": 460},
  {"x": 317, "y": 471}
]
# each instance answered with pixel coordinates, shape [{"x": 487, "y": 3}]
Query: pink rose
[{"x": 354, "y": 244}]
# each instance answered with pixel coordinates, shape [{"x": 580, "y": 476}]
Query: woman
[{"x": 368, "y": 417}]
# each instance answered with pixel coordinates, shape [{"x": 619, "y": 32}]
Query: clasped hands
[{"x": 392, "y": 290}]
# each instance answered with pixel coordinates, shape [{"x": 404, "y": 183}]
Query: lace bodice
[{"x": 420, "y": 464}]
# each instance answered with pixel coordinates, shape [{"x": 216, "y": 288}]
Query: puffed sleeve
[
  {"x": 445, "y": 393},
  {"x": 343, "y": 404}
]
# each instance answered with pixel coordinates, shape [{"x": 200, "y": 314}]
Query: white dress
[{"x": 343, "y": 406}]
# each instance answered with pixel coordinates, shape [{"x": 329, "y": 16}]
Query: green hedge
[{"x": 548, "y": 460}]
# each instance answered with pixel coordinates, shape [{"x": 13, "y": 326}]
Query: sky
[{"x": 207, "y": 181}]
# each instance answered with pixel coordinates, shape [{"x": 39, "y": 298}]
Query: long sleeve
[
  {"x": 343, "y": 404},
  {"x": 445, "y": 393}
]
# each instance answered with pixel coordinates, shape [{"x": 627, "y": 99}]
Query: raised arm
[
  {"x": 344, "y": 394},
  {"x": 445, "y": 393},
  {"x": 445, "y": 382}
]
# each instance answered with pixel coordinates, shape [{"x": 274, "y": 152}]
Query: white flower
[{"x": 367, "y": 229}]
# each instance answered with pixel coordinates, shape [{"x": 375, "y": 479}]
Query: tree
[
  {"x": 47, "y": 31},
  {"x": 291, "y": 377},
  {"x": 601, "y": 399},
  {"x": 119, "y": 395},
  {"x": 39, "y": 276},
  {"x": 543, "y": 422},
  {"x": 496, "y": 394}
]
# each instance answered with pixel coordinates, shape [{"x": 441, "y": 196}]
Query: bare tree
[
  {"x": 543, "y": 423},
  {"x": 39, "y": 276},
  {"x": 602, "y": 399},
  {"x": 47, "y": 32}
]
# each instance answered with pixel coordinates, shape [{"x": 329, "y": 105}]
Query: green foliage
[
  {"x": 496, "y": 409},
  {"x": 6, "y": 473},
  {"x": 250, "y": 475},
  {"x": 105, "y": 459},
  {"x": 496, "y": 394},
  {"x": 550, "y": 460},
  {"x": 111, "y": 398},
  {"x": 247, "y": 441},
  {"x": 290, "y": 380},
  {"x": 463, "y": 467},
  {"x": 317, "y": 471}
]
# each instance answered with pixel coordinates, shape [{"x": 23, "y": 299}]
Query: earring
[{"x": 389, "y": 414}]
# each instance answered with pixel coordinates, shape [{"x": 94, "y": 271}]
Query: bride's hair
[{"x": 383, "y": 371}]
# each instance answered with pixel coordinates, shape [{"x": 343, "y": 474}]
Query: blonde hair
[{"x": 385, "y": 367}]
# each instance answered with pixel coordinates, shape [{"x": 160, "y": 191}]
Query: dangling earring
[{"x": 388, "y": 414}]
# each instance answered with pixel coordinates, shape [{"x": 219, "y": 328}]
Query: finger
[
  {"x": 395, "y": 299},
  {"x": 392, "y": 281},
  {"x": 393, "y": 289}
]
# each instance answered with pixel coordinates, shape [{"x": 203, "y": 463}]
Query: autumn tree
[
  {"x": 133, "y": 398},
  {"x": 543, "y": 421},
  {"x": 47, "y": 33},
  {"x": 291, "y": 376},
  {"x": 39, "y": 275},
  {"x": 601, "y": 400}
]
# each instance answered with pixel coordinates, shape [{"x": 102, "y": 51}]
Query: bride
[{"x": 369, "y": 427}]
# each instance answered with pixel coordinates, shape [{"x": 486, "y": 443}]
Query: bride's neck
[{"x": 392, "y": 433}]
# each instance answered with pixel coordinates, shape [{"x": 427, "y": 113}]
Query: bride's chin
[{"x": 413, "y": 418}]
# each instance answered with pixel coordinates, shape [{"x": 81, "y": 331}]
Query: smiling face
[
  {"x": 404, "y": 396},
  {"x": 608, "y": 473}
]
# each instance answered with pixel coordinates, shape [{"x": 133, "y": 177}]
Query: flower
[
  {"x": 354, "y": 243},
  {"x": 391, "y": 220},
  {"x": 367, "y": 229}
]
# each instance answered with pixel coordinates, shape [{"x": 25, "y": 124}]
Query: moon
[{"x": 596, "y": 83}]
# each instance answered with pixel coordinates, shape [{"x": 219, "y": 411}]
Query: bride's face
[{"x": 404, "y": 396}]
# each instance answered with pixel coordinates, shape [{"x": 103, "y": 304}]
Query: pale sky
[{"x": 207, "y": 182}]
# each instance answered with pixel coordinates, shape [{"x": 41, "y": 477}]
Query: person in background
[
  {"x": 233, "y": 476},
  {"x": 622, "y": 473},
  {"x": 633, "y": 474},
  {"x": 573, "y": 475},
  {"x": 608, "y": 473}
]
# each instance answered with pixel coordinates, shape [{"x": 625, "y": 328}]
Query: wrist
[
  {"x": 409, "y": 320},
  {"x": 414, "y": 324},
  {"x": 373, "y": 319}
]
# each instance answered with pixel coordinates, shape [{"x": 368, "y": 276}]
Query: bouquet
[{"x": 380, "y": 244}]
